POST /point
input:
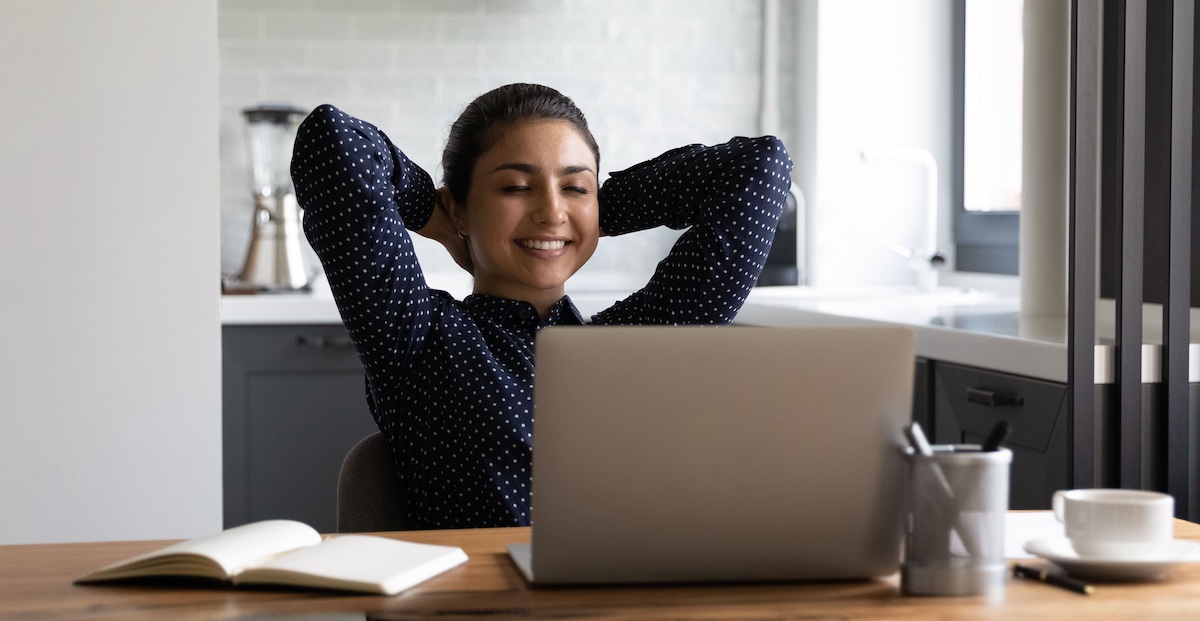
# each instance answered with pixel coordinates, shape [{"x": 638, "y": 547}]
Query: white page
[
  {"x": 240, "y": 546},
  {"x": 232, "y": 550},
  {"x": 355, "y": 561}
]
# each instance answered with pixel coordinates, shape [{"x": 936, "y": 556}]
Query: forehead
[{"x": 550, "y": 145}]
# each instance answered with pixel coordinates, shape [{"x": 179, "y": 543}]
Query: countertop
[{"x": 975, "y": 328}]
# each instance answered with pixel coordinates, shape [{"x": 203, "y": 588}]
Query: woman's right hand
[{"x": 441, "y": 229}]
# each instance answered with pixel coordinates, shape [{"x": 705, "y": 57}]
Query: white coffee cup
[{"x": 1116, "y": 524}]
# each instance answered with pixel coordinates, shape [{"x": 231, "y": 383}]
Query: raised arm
[
  {"x": 729, "y": 198},
  {"x": 360, "y": 194}
]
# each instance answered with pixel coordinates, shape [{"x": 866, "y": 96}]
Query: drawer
[
  {"x": 967, "y": 403},
  {"x": 325, "y": 346},
  {"x": 977, "y": 399}
]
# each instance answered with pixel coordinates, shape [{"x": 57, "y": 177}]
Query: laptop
[{"x": 700, "y": 453}]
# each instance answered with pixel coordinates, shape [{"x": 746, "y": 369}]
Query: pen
[
  {"x": 916, "y": 436},
  {"x": 997, "y": 437},
  {"x": 1062, "y": 582},
  {"x": 920, "y": 445}
]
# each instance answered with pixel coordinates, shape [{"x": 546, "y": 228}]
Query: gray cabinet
[
  {"x": 922, "y": 390},
  {"x": 294, "y": 405},
  {"x": 967, "y": 403}
]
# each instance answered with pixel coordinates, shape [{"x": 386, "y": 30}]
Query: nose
[{"x": 552, "y": 209}]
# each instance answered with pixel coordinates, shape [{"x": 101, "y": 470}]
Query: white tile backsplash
[
  {"x": 391, "y": 28},
  {"x": 649, "y": 74}
]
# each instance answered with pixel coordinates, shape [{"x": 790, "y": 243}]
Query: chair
[{"x": 368, "y": 491}]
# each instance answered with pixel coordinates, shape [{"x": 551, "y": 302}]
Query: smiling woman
[
  {"x": 532, "y": 219},
  {"x": 449, "y": 382}
]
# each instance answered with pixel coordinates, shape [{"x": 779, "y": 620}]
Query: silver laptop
[{"x": 695, "y": 454}]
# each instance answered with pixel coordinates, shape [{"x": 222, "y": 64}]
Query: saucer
[{"x": 1058, "y": 550}]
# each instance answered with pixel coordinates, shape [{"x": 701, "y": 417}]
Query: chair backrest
[{"x": 369, "y": 494}]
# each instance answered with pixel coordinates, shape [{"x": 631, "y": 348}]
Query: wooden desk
[{"x": 35, "y": 583}]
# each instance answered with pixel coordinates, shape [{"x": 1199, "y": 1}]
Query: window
[{"x": 988, "y": 168}]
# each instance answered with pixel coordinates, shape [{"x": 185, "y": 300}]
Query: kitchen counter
[
  {"x": 591, "y": 295},
  {"x": 974, "y": 328},
  {"x": 278, "y": 309}
]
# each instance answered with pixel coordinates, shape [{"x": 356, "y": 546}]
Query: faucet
[{"x": 925, "y": 260}]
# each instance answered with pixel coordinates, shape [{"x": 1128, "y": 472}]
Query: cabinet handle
[
  {"x": 992, "y": 399},
  {"x": 320, "y": 341}
]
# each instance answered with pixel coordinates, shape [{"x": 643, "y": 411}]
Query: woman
[{"x": 450, "y": 382}]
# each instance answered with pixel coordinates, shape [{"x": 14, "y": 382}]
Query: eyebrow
[{"x": 533, "y": 170}]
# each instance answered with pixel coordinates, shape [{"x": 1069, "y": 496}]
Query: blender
[{"x": 275, "y": 260}]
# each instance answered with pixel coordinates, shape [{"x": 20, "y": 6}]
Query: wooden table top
[{"x": 36, "y": 583}]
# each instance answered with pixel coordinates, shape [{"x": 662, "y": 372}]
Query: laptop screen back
[{"x": 682, "y": 454}]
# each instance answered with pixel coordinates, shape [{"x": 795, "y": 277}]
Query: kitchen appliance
[
  {"x": 275, "y": 259},
  {"x": 784, "y": 264}
]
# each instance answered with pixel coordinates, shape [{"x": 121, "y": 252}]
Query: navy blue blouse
[{"x": 449, "y": 382}]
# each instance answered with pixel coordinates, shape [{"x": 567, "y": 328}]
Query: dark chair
[{"x": 369, "y": 494}]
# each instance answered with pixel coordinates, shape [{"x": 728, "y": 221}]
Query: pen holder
[{"x": 958, "y": 498}]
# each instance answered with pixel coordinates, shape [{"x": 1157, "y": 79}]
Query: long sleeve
[
  {"x": 729, "y": 198},
  {"x": 359, "y": 192}
]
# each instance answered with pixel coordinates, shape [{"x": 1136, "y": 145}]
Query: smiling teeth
[{"x": 543, "y": 245}]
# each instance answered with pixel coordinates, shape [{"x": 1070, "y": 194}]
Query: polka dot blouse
[{"x": 449, "y": 382}]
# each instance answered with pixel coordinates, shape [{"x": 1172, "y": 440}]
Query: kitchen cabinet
[
  {"x": 922, "y": 390},
  {"x": 967, "y": 404},
  {"x": 294, "y": 405}
]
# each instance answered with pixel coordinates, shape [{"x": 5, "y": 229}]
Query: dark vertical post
[
  {"x": 1181, "y": 475},
  {"x": 1132, "y": 236},
  {"x": 1087, "y": 35}
]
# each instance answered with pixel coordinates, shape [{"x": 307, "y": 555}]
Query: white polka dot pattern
[{"x": 450, "y": 382}]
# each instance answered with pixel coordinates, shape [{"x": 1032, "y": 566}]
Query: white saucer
[{"x": 1058, "y": 550}]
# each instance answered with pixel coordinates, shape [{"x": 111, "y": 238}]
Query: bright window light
[{"x": 992, "y": 106}]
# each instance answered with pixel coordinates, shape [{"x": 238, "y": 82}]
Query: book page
[
  {"x": 250, "y": 544},
  {"x": 358, "y": 563},
  {"x": 230, "y": 551}
]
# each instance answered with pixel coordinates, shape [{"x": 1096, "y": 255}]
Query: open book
[{"x": 289, "y": 553}]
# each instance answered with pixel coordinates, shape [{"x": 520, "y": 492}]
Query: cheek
[
  {"x": 587, "y": 217},
  {"x": 493, "y": 216},
  {"x": 589, "y": 229}
]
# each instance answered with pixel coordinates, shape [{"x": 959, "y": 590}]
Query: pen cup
[{"x": 957, "y": 501}]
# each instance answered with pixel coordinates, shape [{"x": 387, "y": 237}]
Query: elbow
[{"x": 774, "y": 149}]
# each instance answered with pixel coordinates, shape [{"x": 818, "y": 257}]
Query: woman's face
[{"x": 532, "y": 216}]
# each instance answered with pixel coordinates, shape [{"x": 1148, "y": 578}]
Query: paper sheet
[{"x": 1022, "y": 527}]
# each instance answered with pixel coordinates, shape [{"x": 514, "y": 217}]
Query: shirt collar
[{"x": 518, "y": 313}]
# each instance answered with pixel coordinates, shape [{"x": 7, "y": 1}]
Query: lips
[{"x": 542, "y": 244}]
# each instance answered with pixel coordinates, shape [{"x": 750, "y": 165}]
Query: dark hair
[{"x": 484, "y": 121}]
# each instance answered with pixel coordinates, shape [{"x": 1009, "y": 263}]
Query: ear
[{"x": 456, "y": 212}]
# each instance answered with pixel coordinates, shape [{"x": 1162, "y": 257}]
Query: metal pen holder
[{"x": 958, "y": 500}]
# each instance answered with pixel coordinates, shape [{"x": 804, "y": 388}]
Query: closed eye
[
  {"x": 515, "y": 189},
  {"x": 578, "y": 189}
]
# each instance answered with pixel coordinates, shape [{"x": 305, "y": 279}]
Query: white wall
[{"x": 110, "y": 415}]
